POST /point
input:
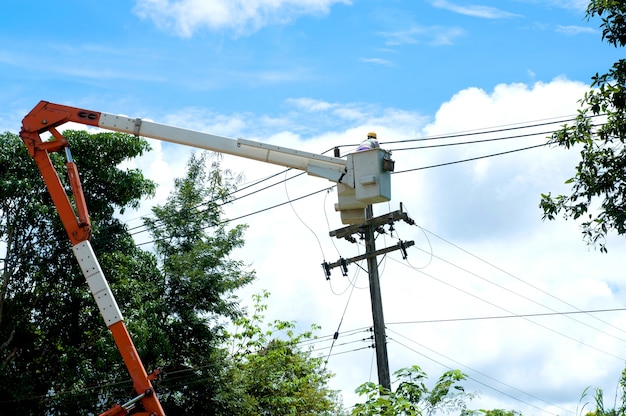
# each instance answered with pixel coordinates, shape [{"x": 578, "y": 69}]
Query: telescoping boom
[{"x": 362, "y": 178}]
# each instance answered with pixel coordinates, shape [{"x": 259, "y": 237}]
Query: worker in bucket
[{"x": 370, "y": 143}]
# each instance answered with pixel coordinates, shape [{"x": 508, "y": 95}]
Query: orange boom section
[{"x": 45, "y": 118}]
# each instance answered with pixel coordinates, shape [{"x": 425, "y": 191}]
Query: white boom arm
[
  {"x": 362, "y": 178},
  {"x": 331, "y": 168}
]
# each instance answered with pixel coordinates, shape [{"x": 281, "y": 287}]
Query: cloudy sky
[{"x": 524, "y": 307}]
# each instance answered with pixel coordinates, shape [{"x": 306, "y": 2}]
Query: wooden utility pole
[
  {"x": 367, "y": 230},
  {"x": 380, "y": 337}
]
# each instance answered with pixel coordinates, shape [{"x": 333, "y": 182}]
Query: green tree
[
  {"x": 500, "y": 412},
  {"x": 57, "y": 357},
  {"x": 54, "y": 346},
  {"x": 274, "y": 373},
  {"x": 413, "y": 397},
  {"x": 196, "y": 293},
  {"x": 600, "y": 133},
  {"x": 21, "y": 218}
]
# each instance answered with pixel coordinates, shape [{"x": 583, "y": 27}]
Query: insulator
[
  {"x": 344, "y": 266},
  {"x": 350, "y": 238},
  {"x": 403, "y": 250},
  {"x": 326, "y": 268}
]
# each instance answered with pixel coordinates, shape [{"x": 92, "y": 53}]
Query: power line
[
  {"x": 495, "y": 317},
  {"x": 554, "y": 312},
  {"x": 513, "y": 313},
  {"x": 351, "y": 332},
  {"x": 520, "y": 295},
  {"x": 477, "y": 372},
  {"x": 336, "y": 334},
  {"x": 434, "y": 146},
  {"x": 521, "y": 316},
  {"x": 496, "y": 129},
  {"x": 516, "y": 278},
  {"x": 277, "y": 205},
  {"x": 438, "y": 165},
  {"x": 326, "y": 189}
]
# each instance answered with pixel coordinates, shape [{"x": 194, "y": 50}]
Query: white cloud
[
  {"x": 579, "y": 5},
  {"x": 574, "y": 4},
  {"x": 310, "y": 104},
  {"x": 487, "y": 207},
  {"x": 575, "y": 30},
  {"x": 432, "y": 35},
  {"x": 485, "y": 12},
  {"x": 185, "y": 17},
  {"x": 517, "y": 195},
  {"x": 377, "y": 61}
]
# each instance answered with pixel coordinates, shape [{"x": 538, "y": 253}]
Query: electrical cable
[
  {"x": 513, "y": 313},
  {"x": 353, "y": 332},
  {"x": 350, "y": 284},
  {"x": 517, "y": 278},
  {"x": 329, "y": 337},
  {"x": 319, "y": 243},
  {"x": 328, "y": 225},
  {"x": 331, "y": 347},
  {"x": 258, "y": 211},
  {"x": 438, "y": 165},
  {"x": 521, "y": 315},
  {"x": 497, "y": 129},
  {"x": 336, "y": 334},
  {"x": 251, "y": 184},
  {"x": 528, "y": 299},
  {"x": 143, "y": 228},
  {"x": 351, "y": 351},
  {"x": 430, "y": 251},
  {"x": 489, "y": 130},
  {"x": 520, "y": 295},
  {"x": 372, "y": 363},
  {"x": 276, "y": 205},
  {"x": 435, "y": 146},
  {"x": 477, "y": 372}
]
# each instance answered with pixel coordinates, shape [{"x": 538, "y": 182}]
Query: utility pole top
[
  {"x": 367, "y": 230},
  {"x": 376, "y": 222}
]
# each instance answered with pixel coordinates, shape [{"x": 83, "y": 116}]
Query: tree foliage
[
  {"x": 198, "y": 278},
  {"x": 500, "y": 412},
  {"x": 54, "y": 347},
  {"x": 56, "y": 355},
  {"x": 600, "y": 133},
  {"x": 412, "y": 397},
  {"x": 274, "y": 373}
]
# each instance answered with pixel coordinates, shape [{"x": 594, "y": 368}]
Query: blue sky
[
  {"x": 410, "y": 55},
  {"x": 314, "y": 74}
]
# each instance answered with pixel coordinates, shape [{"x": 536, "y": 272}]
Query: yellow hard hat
[{"x": 371, "y": 134}]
